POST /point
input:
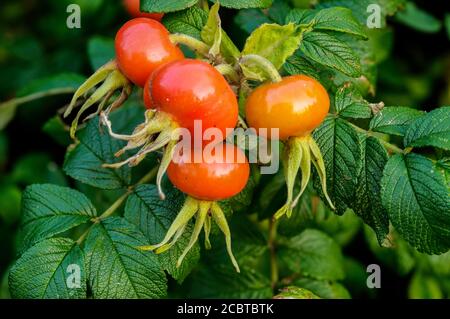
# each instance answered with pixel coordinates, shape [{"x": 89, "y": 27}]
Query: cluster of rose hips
[{"x": 179, "y": 91}]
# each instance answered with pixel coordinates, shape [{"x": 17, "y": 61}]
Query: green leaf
[
  {"x": 84, "y": 162},
  {"x": 416, "y": 197},
  {"x": 213, "y": 35},
  {"x": 367, "y": 203},
  {"x": 297, "y": 64},
  {"x": 153, "y": 6},
  {"x": 60, "y": 83},
  {"x": 360, "y": 8},
  {"x": 222, "y": 282},
  {"x": 10, "y": 197},
  {"x": 324, "y": 289},
  {"x": 340, "y": 148},
  {"x": 333, "y": 19},
  {"x": 313, "y": 254},
  {"x": 100, "y": 51},
  {"x": 394, "y": 120},
  {"x": 45, "y": 271},
  {"x": 245, "y": 4},
  {"x": 37, "y": 168},
  {"x": 117, "y": 269},
  {"x": 190, "y": 21},
  {"x": 49, "y": 210},
  {"x": 278, "y": 11},
  {"x": 418, "y": 19},
  {"x": 433, "y": 129},
  {"x": 59, "y": 131},
  {"x": 295, "y": 293},
  {"x": 57, "y": 81},
  {"x": 329, "y": 51},
  {"x": 153, "y": 217},
  {"x": 350, "y": 103},
  {"x": 424, "y": 286},
  {"x": 250, "y": 19},
  {"x": 274, "y": 42}
]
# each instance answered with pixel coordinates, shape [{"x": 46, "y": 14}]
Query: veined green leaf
[
  {"x": 339, "y": 144},
  {"x": 49, "y": 270},
  {"x": 190, "y": 21},
  {"x": 323, "y": 288},
  {"x": 433, "y": 129},
  {"x": 334, "y": 19},
  {"x": 245, "y": 4},
  {"x": 327, "y": 50},
  {"x": 49, "y": 210},
  {"x": 350, "y": 103},
  {"x": 153, "y": 6},
  {"x": 292, "y": 292},
  {"x": 95, "y": 148},
  {"x": 153, "y": 217},
  {"x": 394, "y": 120},
  {"x": 367, "y": 203},
  {"x": 313, "y": 254},
  {"x": 116, "y": 268},
  {"x": 416, "y": 197}
]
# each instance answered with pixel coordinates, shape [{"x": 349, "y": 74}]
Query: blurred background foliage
[{"x": 37, "y": 50}]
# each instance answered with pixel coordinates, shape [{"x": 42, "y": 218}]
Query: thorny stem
[
  {"x": 192, "y": 43},
  {"x": 273, "y": 223},
  {"x": 263, "y": 64},
  {"x": 148, "y": 177},
  {"x": 389, "y": 146}
]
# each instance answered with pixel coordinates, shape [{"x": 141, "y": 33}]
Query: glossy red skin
[
  {"x": 146, "y": 95},
  {"x": 133, "y": 8},
  {"x": 191, "y": 90},
  {"x": 296, "y": 105},
  {"x": 210, "y": 181},
  {"x": 142, "y": 46}
]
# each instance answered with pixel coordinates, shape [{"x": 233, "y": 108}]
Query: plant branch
[
  {"x": 38, "y": 95},
  {"x": 148, "y": 177},
  {"x": 263, "y": 64},
  {"x": 273, "y": 223}
]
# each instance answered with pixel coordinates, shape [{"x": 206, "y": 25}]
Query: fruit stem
[
  {"x": 191, "y": 42},
  {"x": 264, "y": 64},
  {"x": 228, "y": 71}
]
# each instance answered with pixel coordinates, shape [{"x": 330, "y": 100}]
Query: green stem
[
  {"x": 228, "y": 71},
  {"x": 148, "y": 177},
  {"x": 273, "y": 256},
  {"x": 39, "y": 95},
  {"x": 194, "y": 44},
  {"x": 389, "y": 146},
  {"x": 263, "y": 64}
]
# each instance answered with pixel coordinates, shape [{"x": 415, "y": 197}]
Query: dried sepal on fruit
[
  {"x": 111, "y": 80},
  {"x": 220, "y": 179},
  {"x": 294, "y": 105}
]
